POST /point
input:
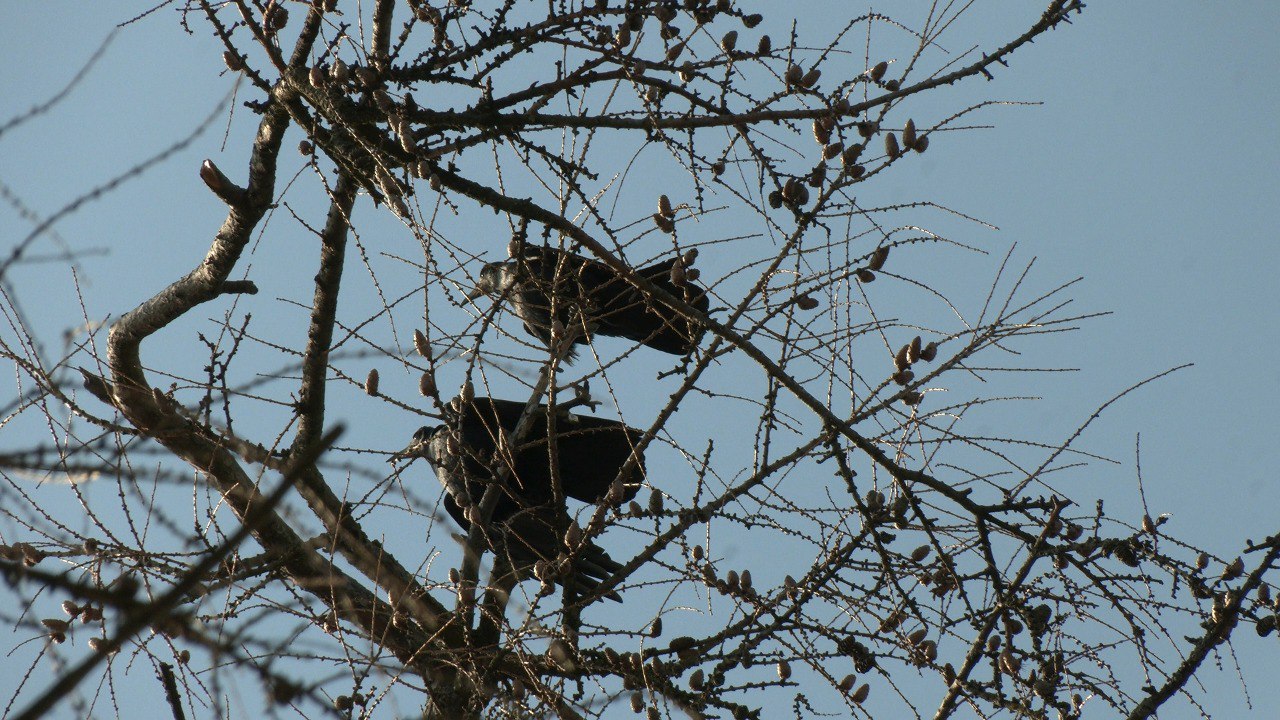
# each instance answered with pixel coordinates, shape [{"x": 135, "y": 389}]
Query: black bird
[
  {"x": 585, "y": 290},
  {"x": 527, "y": 525}
]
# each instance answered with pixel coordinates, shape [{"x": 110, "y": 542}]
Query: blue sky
[{"x": 1151, "y": 168}]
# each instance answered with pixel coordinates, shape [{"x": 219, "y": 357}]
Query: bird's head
[
  {"x": 421, "y": 446},
  {"x": 495, "y": 279}
]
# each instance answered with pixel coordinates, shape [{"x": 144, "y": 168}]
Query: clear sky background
[{"x": 1151, "y": 168}]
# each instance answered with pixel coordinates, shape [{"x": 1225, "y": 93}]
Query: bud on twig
[
  {"x": 655, "y": 502},
  {"x": 339, "y": 72},
  {"x": 878, "y": 258},
  {"x": 909, "y": 135},
  {"x": 677, "y": 274},
  {"x": 420, "y": 344},
  {"x": 664, "y": 207},
  {"x": 849, "y": 157},
  {"x": 697, "y": 680},
  {"x": 891, "y": 146},
  {"x": 861, "y": 694},
  {"x": 275, "y": 18},
  {"x": 616, "y": 491},
  {"x": 793, "y": 75},
  {"x": 1233, "y": 570},
  {"x": 900, "y": 360},
  {"x": 821, "y": 133}
]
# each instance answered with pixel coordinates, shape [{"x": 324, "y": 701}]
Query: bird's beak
[
  {"x": 475, "y": 292},
  {"x": 410, "y": 452}
]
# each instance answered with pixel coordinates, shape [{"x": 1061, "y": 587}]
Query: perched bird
[
  {"x": 527, "y": 524},
  {"x": 587, "y": 291}
]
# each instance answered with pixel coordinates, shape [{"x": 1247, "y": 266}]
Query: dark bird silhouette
[
  {"x": 527, "y": 524},
  {"x": 582, "y": 290}
]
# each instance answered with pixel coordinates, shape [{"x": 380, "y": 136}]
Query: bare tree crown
[{"x": 618, "y": 260}]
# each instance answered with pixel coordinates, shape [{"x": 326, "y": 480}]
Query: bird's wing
[{"x": 590, "y": 455}]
